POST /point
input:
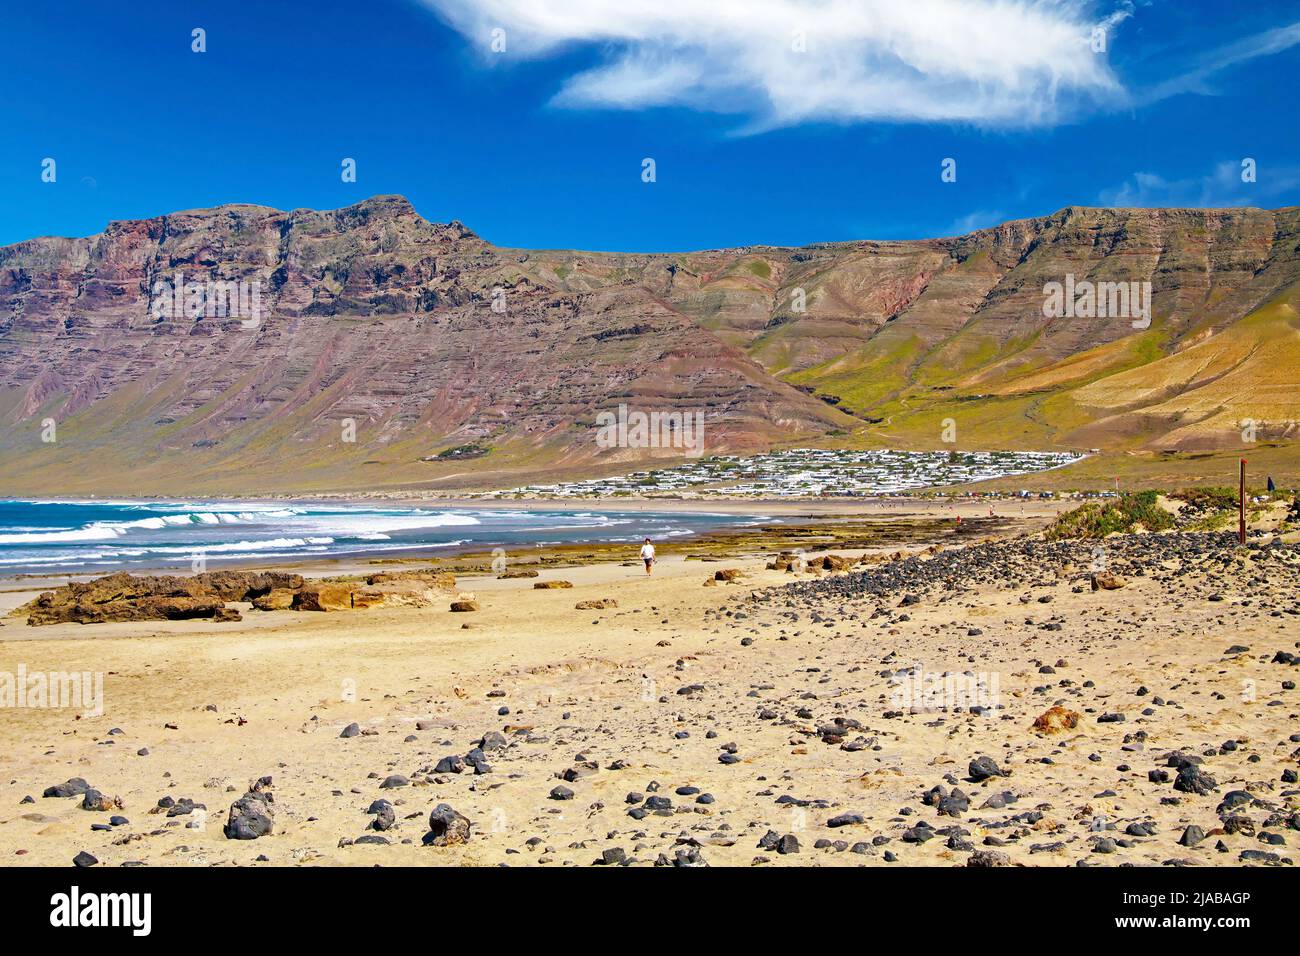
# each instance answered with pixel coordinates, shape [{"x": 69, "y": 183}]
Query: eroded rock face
[
  {"x": 246, "y": 585},
  {"x": 425, "y": 352},
  {"x": 387, "y": 589},
  {"x": 404, "y": 589},
  {"x": 277, "y": 599},
  {"x": 123, "y": 597},
  {"x": 400, "y": 310},
  {"x": 127, "y": 597},
  {"x": 323, "y": 596},
  {"x": 428, "y": 577}
]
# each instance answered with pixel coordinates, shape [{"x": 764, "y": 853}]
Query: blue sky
[{"x": 755, "y": 139}]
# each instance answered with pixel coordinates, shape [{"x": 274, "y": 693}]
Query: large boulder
[
  {"x": 73, "y": 787},
  {"x": 251, "y": 816},
  {"x": 447, "y": 827},
  {"x": 323, "y": 596},
  {"x": 983, "y": 768},
  {"x": 277, "y": 599},
  {"x": 1192, "y": 779}
]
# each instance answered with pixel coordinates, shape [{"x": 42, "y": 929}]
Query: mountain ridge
[{"x": 379, "y": 317}]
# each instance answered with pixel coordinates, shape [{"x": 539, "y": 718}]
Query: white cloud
[{"x": 986, "y": 62}]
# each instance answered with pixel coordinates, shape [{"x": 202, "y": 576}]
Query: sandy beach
[{"x": 751, "y": 721}]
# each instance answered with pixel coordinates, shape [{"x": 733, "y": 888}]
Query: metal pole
[{"x": 1241, "y": 514}]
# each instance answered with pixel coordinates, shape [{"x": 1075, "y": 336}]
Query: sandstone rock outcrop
[
  {"x": 127, "y": 597},
  {"x": 246, "y": 585},
  {"x": 123, "y": 597},
  {"x": 405, "y": 590},
  {"x": 323, "y": 596},
  {"x": 277, "y": 599}
]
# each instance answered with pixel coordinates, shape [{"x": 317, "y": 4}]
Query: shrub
[{"x": 1096, "y": 519}]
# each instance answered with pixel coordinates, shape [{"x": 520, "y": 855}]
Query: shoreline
[{"x": 782, "y": 513}]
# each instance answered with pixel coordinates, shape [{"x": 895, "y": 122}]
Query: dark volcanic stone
[
  {"x": 982, "y": 768},
  {"x": 1192, "y": 779},
  {"x": 74, "y": 787},
  {"x": 447, "y": 827},
  {"x": 251, "y": 816}
]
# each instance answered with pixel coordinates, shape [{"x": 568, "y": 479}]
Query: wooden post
[{"x": 1241, "y": 502}]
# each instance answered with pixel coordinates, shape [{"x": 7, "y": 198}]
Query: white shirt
[{"x": 647, "y": 552}]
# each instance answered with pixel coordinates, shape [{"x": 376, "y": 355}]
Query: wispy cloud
[
  {"x": 974, "y": 221},
  {"x": 993, "y": 63},
  {"x": 1223, "y": 186},
  {"x": 1197, "y": 79}
]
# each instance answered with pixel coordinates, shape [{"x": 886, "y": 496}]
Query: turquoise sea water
[{"x": 62, "y": 536}]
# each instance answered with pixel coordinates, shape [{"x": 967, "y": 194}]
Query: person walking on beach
[{"x": 648, "y": 556}]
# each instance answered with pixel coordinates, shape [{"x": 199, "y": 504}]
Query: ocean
[{"x": 44, "y": 536}]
